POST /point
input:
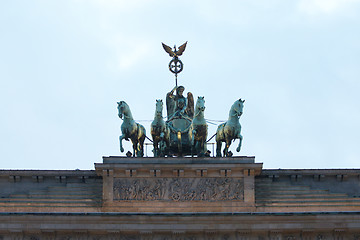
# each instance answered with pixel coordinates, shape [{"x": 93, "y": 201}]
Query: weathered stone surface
[
  {"x": 295, "y": 190},
  {"x": 303, "y": 190},
  {"x": 178, "y": 184},
  {"x": 50, "y": 191},
  {"x": 179, "y": 189},
  {"x": 180, "y": 198},
  {"x": 289, "y": 226}
]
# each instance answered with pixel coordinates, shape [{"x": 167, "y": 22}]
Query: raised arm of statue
[
  {"x": 170, "y": 103},
  {"x": 171, "y": 93}
]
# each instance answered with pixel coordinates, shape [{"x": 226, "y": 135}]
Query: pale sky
[{"x": 65, "y": 64}]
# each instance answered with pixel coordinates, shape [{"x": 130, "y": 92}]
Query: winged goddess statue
[{"x": 179, "y": 105}]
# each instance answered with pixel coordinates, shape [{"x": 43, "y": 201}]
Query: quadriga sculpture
[
  {"x": 199, "y": 129},
  {"x": 160, "y": 132},
  {"x": 131, "y": 129},
  {"x": 230, "y": 130}
]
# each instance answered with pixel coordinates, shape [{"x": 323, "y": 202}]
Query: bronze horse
[
  {"x": 131, "y": 129},
  {"x": 230, "y": 130},
  {"x": 199, "y": 129},
  {"x": 160, "y": 132}
]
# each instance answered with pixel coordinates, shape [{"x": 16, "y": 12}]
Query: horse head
[
  {"x": 200, "y": 104},
  {"x": 159, "y": 107},
  {"x": 238, "y": 107},
  {"x": 122, "y": 108}
]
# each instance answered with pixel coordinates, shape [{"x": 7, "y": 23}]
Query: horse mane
[{"x": 128, "y": 108}]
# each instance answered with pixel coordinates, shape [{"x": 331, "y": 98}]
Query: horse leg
[
  {"x": 193, "y": 147},
  {"x": 121, "y": 146},
  {"x": 140, "y": 138},
  {"x": 141, "y": 146},
  {"x": 218, "y": 149},
  {"x": 135, "y": 150},
  {"x": 156, "y": 148},
  {"x": 240, "y": 141},
  {"x": 226, "y": 149},
  {"x": 203, "y": 146},
  {"x": 167, "y": 147},
  {"x": 200, "y": 148},
  {"x": 196, "y": 148},
  {"x": 162, "y": 148}
]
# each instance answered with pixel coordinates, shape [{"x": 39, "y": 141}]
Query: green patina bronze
[
  {"x": 131, "y": 130},
  {"x": 186, "y": 130},
  {"x": 199, "y": 129},
  {"x": 230, "y": 130},
  {"x": 175, "y": 65},
  {"x": 178, "y": 105},
  {"x": 180, "y": 112},
  {"x": 160, "y": 132}
]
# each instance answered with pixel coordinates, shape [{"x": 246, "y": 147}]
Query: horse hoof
[{"x": 229, "y": 154}]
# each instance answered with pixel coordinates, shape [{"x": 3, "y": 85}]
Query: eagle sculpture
[{"x": 174, "y": 53}]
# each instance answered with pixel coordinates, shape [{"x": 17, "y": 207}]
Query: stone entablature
[
  {"x": 308, "y": 190},
  {"x": 180, "y": 198},
  {"x": 316, "y": 174},
  {"x": 236, "y": 184},
  {"x": 178, "y": 184},
  {"x": 50, "y": 191}
]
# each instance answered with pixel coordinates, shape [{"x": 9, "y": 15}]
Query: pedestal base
[{"x": 178, "y": 184}]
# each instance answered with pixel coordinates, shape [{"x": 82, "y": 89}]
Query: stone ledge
[
  {"x": 282, "y": 172},
  {"x": 30, "y": 173},
  {"x": 178, "y": 160},
  {"x": 116, "y": 214},
  {"x": 178, "y": 167}
]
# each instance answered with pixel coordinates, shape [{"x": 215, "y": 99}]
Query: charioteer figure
[{"x": 178, "y": 106}]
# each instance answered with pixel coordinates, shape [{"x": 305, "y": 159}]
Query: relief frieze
[{"x": 179, "y": 189}]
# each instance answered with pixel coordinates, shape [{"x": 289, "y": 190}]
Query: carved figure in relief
[
  {"x": 160, "y": 132},
  {"x": 199, "y": 129},
  {"x": 131, "y": 130},
  {"x": 179, "y": 189},
  {"x": 230, "y": 130}
]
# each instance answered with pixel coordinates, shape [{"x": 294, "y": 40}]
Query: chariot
[
  {"x": 185, "y": 130},
  {"x": 180, "y": 142}
]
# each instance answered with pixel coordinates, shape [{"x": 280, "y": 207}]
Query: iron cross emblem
[{"x": 175, "y": 65}]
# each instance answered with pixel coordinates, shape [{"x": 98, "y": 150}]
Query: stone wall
[
  {"x": 303, "y": 190},
  {"x": 180, "y": 198},
  {"x": 180, "y": 185},
  {"x": 50, "y": 191},
  {"x": 242, "y": 226}
]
